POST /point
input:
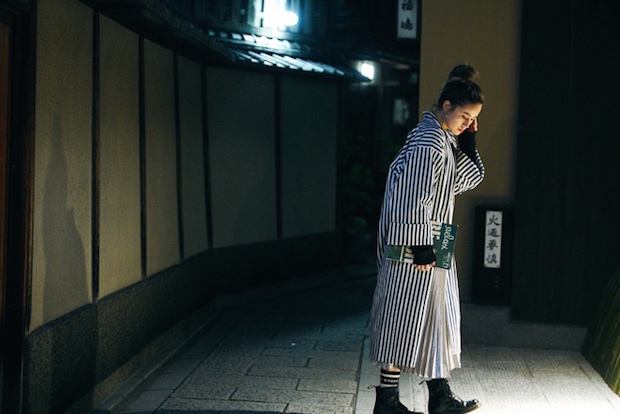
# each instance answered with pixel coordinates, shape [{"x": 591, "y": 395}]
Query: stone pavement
[{"x": 304, "y": 351}]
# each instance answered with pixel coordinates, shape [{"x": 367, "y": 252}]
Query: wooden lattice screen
[{"x": 602, "y": 345}]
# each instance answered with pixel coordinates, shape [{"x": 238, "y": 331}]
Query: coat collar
[{"x": 430, "y": 117}]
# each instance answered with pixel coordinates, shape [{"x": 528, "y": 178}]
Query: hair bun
[
  {"x": 460, "y": 88},
  {"x": 463, "y": 71}
]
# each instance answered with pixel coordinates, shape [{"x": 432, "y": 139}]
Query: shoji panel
[
  {"x": 162, "y": 223},
  {"x": 61, "y": 276},
  {"x": 119, "y": 178},
  {"x": 242, "y": 156},
  {"x": 192, "y": 158},
  {"x": 309, "y": 135}
]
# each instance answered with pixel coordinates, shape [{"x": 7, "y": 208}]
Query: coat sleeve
[
  {"x": 412, "y": 199},
  {"x": 469, "y": 173}
]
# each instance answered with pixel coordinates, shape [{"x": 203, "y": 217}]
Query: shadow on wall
[
  {"x": 65, "y": 288},
  {"x": 65, "y": 261}
]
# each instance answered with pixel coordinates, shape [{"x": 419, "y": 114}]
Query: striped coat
[{"x": 415, "y": 317}]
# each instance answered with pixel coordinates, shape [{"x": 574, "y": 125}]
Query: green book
[{"x": 444, "y": 242}]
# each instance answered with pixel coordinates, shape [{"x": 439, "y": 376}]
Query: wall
[
  {"x": 254, "y": 198},
  {"x": 241, "y": 157},
  {"x": 153, "y": 174},
  {"x": 308, "y": 192},
  {"x": 568, "y": 169},
  {"x": 192, "y": 171},
  {"x": 484, "y": 33},
  {"x": 120, "y": 258},
  {"x": 62, "y": 262},
  {"x": 160, "y": 160}
]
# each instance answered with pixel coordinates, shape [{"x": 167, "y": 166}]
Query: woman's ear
[{"x": 447, "y": 106}]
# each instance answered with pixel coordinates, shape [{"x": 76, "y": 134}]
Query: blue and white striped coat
[{"x": 415, "y": 318}]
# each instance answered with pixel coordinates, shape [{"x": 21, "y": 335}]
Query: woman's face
[{"x": 460, "y": 118}]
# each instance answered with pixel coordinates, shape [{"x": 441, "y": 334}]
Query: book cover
[{"x": 444, "y": 242}]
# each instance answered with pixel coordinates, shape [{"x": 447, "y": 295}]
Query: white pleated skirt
[{"x": 416, "y": 320}]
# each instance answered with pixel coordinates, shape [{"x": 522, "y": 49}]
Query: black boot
[
  {"x": 441, "y": 400},
  {"x": 387, "y": 402}
]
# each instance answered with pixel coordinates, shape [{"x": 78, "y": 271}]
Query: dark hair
[{"x": 460, "y": 89}]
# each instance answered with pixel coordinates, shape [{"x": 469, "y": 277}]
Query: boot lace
[{"x": 453, "y": 396}]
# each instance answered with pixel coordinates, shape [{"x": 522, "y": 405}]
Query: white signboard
[
  {"x": 493, "y": 239},
  {"x": 407, "y": 19}
]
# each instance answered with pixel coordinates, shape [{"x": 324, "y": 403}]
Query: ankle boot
[
  {"x": 441, "y": 400},
  {"x": 387, "y": 402}
]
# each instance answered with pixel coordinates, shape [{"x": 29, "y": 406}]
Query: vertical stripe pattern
[{"x": 415, "y": 317}]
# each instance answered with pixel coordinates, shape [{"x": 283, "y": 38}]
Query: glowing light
[
  {"x": 277, "y": 18},
  {"x": 289, "y": 18},
  {"x": 368, "y": 69}
]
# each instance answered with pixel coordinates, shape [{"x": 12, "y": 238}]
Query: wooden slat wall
[
  {"x": 602, "y": 344},
  {"x": 568, "y": 160}
]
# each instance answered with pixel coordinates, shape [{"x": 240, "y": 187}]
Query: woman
[{"x": 415, "y": 318}]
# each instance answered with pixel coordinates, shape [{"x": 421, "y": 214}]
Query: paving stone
[
  {"x": 502, "y": 369},
  {"x": 182, "y": 365},
  {"x": 294, "y": 337},
  {"x": 165, "y": 381},
  {"x": 224, "y": 364},
  {"x": 198, "y": 350},
  {"x": 207, "y": 382},
  {"x": 178, "y": 405},
  {"x": 317, "y": 409},
  {"x": 238, "y": 348},
  {"x": 292, "y": 372},
  {"x": 294, "y": 396},
  {"x": 287, "y": 361},
  {"x": 515, "y": 387},
  {"x": 147, "y": 400},
  {"x": 336, "y": 360},
  {"x": 365, "y": 402},
  {"x": 216, "y": 391},
  {"x": 352, "y": 344},
  {"x": 287, "y": 343},
  {"x": 292, "y": 351},
  {"x": 328, "y": 385}
]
